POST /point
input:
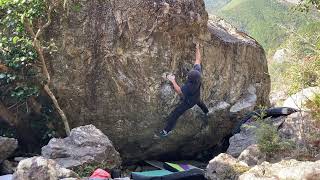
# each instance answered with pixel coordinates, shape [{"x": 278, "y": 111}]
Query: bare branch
[
  {"x": 40, "y": 30},
  {"x": 28, "y": 27}
]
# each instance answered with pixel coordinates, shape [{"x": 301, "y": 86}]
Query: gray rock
[
  {"x": 114, "y": 54},
  {"x": 39, "y": 168},
  {"x": 294, "y": 126},
  {"x": 252, "y": 155},
  {"x": 239, "y": 142},
  {"x": 7, "y": 147},
  {"x": 224, "y": 166},
  {"x": 7, "y": 167},
  {"x": 247, "y": 136},
  {"x": 125, "y": 178},
  {"x": 281, "y": 55},
  {"x": 247, "y": 103},
  {"x": 286, "y": 169},
  {"x": 299, "y": 99},
  {"x": 86, "y": 145}
]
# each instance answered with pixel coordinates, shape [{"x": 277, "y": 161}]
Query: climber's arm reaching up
[
  {"x": 174, "y": 83},
  {"x": 198, "y": 55}
]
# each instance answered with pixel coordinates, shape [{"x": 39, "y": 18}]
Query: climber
[{"x": 189, "y": 92}]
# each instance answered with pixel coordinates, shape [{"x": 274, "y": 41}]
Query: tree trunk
[
  {"x": 38, "y": 47},
  {"x": 60, "y": 111}
]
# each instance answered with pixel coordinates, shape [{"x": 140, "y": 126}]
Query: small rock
[
  {"x": 7, "y": 167},
  {"x": 125, "y": 178},
  {"x": 252, "y": 155},
  {"x": 299, "y": 99}
]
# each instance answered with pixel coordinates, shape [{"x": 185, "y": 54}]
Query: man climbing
[{"x": 190, "y": 93}]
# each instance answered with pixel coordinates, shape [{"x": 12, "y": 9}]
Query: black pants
[{"x": 179, "y": 110}]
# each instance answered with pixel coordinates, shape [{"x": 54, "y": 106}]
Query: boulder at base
[
  {"x": 224, "y": 166},
  {"x": 86, "y": 145},
  {"x": 39, "y": 168},
  {"x": 286, "y": 169}
]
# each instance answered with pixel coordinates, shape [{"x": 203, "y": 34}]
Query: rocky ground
[{"x": 87, "y": 147}]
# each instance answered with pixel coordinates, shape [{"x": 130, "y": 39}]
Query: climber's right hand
[{"x": 171, "y": 77}]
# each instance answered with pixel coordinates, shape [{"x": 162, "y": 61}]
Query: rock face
[
  {"x": 286, "y": 169},
  {"x": 39, "y": 168},
  {"x": 7, "y": 147},
  {"x": 114, "y": 54},
  {"x": 86, "y": 145}
]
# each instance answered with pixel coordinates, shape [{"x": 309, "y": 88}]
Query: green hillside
[
  {"x": 270, "y": 22},
  {"x": 214, "y": 5}
]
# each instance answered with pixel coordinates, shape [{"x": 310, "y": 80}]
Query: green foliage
[
  {"x": 233, "y": 172},
  {"x": 268, "y": 138},
  {"x": 266, "y": 21},
  {"x": 87, "y": 170},
  {"x": 306, "y": 5},
  {"x": 303, "y": 74},
  {"x": 16, "y": 49},
  {"x": 21, "y": 79},
  {"x": 314, "y": 105},
  {"x": 213, "y": 6},
  {"x": 294, "y": 75}
]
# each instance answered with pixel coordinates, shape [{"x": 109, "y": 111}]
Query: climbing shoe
[{"x": 163, "y": 133}]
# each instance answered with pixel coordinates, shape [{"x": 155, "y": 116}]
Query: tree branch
[
  {"x": 40, "y": 30},
  {"x": 28, "y": 27},
  {"x": 39, "y": 48}
]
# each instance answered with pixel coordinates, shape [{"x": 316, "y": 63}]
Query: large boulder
[
  {"x": 225, "y": 166},
  {"x": 39, "y": 168},
  {"x": 7, "y": 147},
  {"x": 286, "y": 169},
  {"x": 112, "y": 55},
  {"x": 85, "y": 146}
]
